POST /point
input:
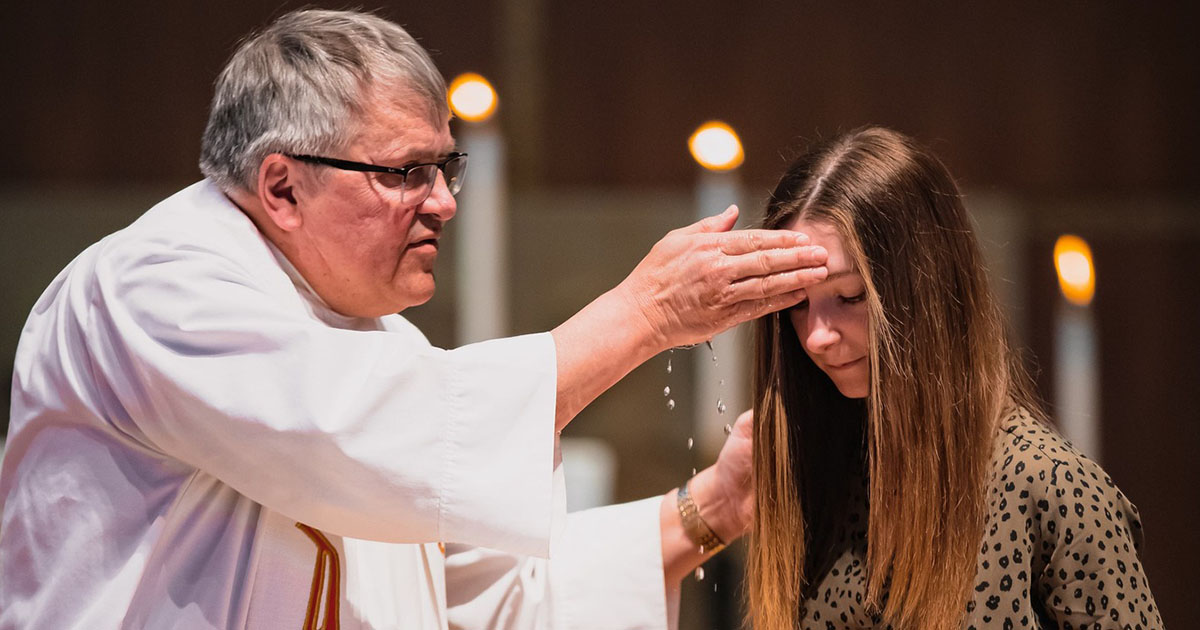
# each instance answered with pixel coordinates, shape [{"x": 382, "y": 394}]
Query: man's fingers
[
  {"x": 747, "y": 241},
  {"x": 774, "y": 285},
  {"x": 769, "y": 261},
  {"x": 717, "y": 223},
  {"x": 753, "y": 309}
]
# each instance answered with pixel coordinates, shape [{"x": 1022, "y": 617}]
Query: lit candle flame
[
  {"x": 716, "y": 146},
  {"x": 1076, "y": 273},
  {"x": 472, "y": 97}
]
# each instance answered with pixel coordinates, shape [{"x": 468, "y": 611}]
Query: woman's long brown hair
[{"x": 941, "y": 374}]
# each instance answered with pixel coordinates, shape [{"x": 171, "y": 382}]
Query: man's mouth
[{"x": 432, "y": 241}]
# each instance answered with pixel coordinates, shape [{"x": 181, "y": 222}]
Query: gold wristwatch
[{"x": 697, "y": 530}]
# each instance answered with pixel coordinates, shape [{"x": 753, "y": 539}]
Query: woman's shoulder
[
  {"x": 1035, "y": 466},
  {"x": 1078, "y": 532},
  {"x": 1030, "y": 450},
  {"x": 1022, "y": 432}
]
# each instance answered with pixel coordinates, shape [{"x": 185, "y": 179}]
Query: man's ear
[{"x": 278, "y": 177}]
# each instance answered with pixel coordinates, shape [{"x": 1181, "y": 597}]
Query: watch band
[{"x": 697, "y": 530}]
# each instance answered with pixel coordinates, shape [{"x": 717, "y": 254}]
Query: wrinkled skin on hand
[{"x": 704, "y": 278}]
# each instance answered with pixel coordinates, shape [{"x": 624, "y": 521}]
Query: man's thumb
[{"x": 717, "y": 223}]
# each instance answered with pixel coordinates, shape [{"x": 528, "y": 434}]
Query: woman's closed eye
[{"x": 843, "y": 299}]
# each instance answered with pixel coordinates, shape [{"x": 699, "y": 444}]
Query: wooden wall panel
[{"x": 1019, "y": 95}]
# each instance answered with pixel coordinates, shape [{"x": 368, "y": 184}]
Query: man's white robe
[{"x": 197, "y": 441}]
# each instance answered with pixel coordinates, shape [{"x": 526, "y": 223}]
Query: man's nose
[{"x": 440, "y": 202}]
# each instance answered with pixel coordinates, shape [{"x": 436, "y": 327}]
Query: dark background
[{"x": 1070, "y": 117}]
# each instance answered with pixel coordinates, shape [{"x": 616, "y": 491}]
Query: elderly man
[{"x": 219, "y": 420}]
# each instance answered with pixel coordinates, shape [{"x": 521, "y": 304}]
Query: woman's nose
[{"x": 821, "y": 334}]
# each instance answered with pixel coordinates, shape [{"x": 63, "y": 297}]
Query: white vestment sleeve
[
  {"x": 374, "y": 435},
  {"x": 606, "y": 573}
]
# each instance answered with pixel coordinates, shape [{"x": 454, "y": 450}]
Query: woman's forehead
[{"x": 825, "y": 234}]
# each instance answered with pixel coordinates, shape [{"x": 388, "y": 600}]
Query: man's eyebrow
[
  {"x": 410, "y": 156},
  {"x": 451, "y": 148}
]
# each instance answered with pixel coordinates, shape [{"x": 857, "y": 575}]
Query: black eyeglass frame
[{"x": 362, "y": 167}]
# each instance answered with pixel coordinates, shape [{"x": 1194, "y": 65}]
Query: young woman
[{"x": 904, "y": 478}]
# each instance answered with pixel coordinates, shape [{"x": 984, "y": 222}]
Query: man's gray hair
[{"x": 301, "y": 86}]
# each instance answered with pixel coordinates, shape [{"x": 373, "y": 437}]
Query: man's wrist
[{"x": 638, "y": 319}]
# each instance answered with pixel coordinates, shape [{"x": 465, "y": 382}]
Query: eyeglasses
[{"x": 415, "y": 181}]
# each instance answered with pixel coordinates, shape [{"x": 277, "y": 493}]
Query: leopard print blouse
[{"x": 1059, "y": 549}]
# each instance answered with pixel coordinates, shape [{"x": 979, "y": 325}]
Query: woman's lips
[{"x": 848, "y": 364}]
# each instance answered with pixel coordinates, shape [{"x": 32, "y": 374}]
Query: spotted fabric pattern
[{"x": 1059, "y": 547}]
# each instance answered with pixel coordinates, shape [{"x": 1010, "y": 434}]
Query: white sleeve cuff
[
  {"x": 609, "y": 570},
  {"x": 502, "y": 485}
]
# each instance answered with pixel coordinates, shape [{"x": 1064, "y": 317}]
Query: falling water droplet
[
  {"x": 668, "y": 365},
  {"x": 690, "y": 443},
  {"x": 667, "y": 390},
  {"x": 702, "y": 550},
  {"x": 722, "y": 382},
  {"x": 699, "y": 573},
  {"x": 693, "y": 472},
  {"x": 714, "y": 587},
  {"x": 728, "y": 429},
  {"x": 670, "y": 404},
  {"x": 720, "y": 406}
]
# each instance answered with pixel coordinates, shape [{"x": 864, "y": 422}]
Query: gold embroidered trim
[{"x": 327, "y": 563}]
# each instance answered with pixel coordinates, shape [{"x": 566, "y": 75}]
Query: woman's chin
[{"x": 852, "y": 390}]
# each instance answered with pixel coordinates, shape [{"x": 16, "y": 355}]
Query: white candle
[
  {"x": 720, "y": 384},
  {"x": 1076, "y": 348},
  {"x": 482, "y": 282}
]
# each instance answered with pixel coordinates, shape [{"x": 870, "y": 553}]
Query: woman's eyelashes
[{"x": 843, "y": 299}]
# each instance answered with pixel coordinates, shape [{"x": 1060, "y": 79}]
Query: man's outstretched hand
[
  {"x": 702, "y": 279},
  {"x": 696, "y": 282}
]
